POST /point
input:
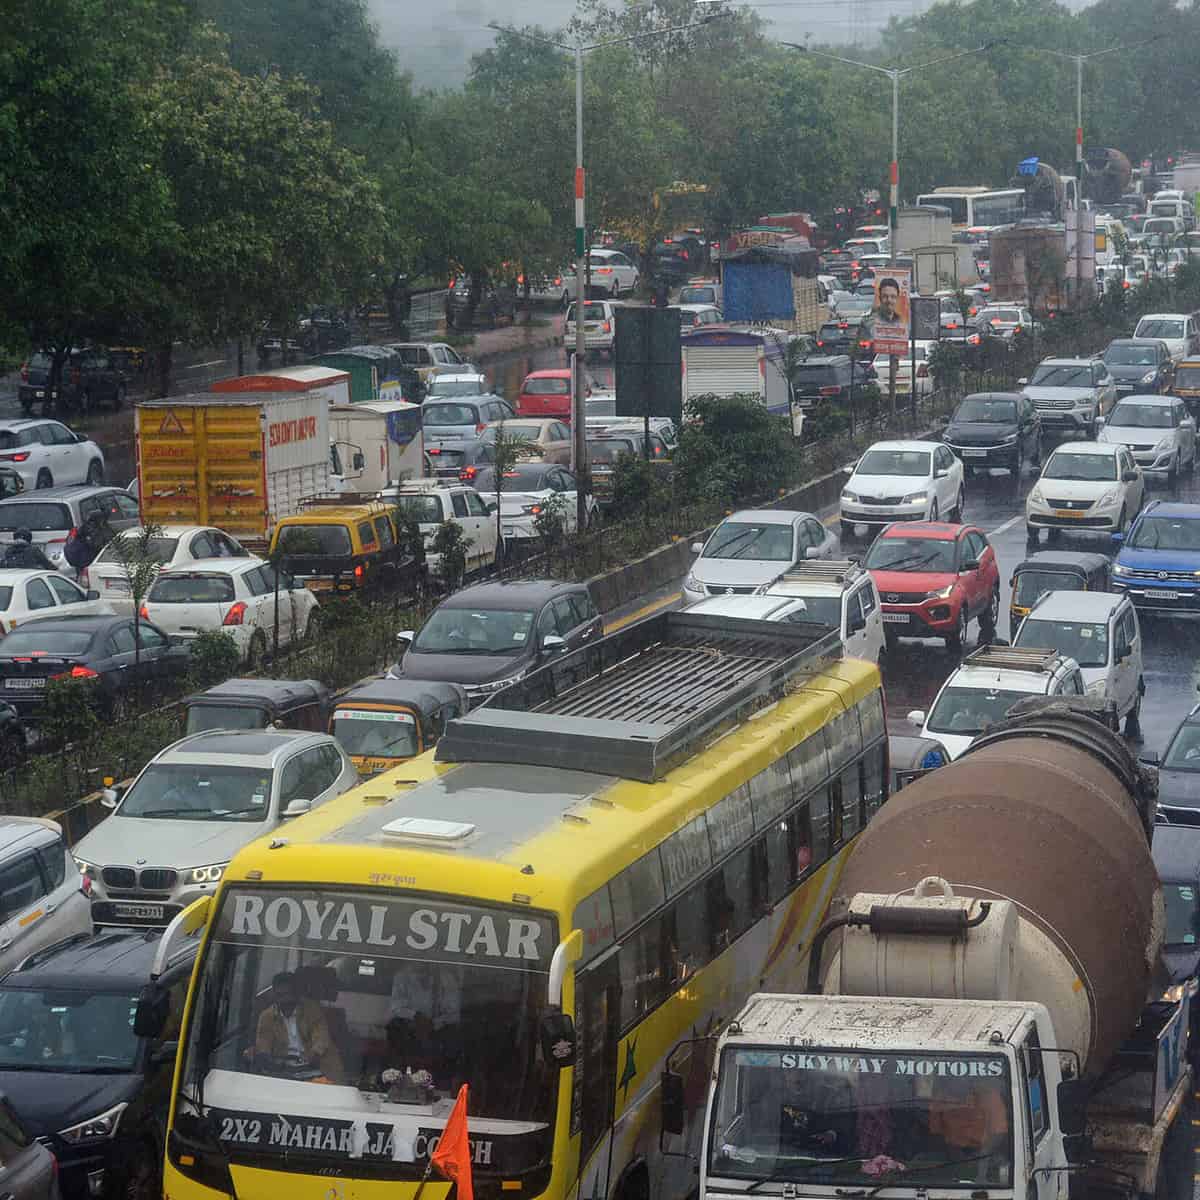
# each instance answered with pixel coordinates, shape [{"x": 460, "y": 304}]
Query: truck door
[
  {"x": 1038, "y": 1153},
  {"x": 598, "y": 1009}
]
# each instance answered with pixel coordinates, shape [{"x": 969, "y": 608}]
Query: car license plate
[
  {"x": 896, "y": 618},
  {"x": 144, "y": 912},
  {"x": 1162, "y": 594},
  {"x": 319, "y": 585},
  {"x": 1067, "y": 512},
  {"x": 974, "y": 454},
  {"x": 26, "y": 684},
  {"x": 40, "y": 394},
  {"x": 508, "y": 530}
]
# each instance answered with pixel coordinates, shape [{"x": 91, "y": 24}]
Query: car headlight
[
  {"x": 1164, "y": 443},
  {"x": 1149, "y": 377},
  {"x": 1175, "y": 993},
  {"x": 210, "y": 874},
  {"x": 1118, "y": 569},
  {"x": 99, "y": 1128},
  {"x": 1109, "y": 497},
  {"x": 1035, "y": 495},
  {"x": 915, "y": 498},
  {"x": 693, "y": 584},
  {"x": 1008, "y": 441},
  {"x": 851, "y": 496},
  {"x": 944, "y": 594}
]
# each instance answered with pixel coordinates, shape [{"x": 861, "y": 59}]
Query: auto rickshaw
[
  {"x": 1054, "y": 571},
  {"x": 260, "y": 704},
  {"x": 381, "y": 723}
]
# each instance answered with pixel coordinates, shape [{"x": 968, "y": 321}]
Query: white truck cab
[{"x": 837, "y": 592}]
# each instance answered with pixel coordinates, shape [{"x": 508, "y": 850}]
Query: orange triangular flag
[{"x": 453, "y": 1155}]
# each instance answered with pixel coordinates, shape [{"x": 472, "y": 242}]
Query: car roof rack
[
  {"x": 638, "y": 702},
  {"x": 829, "y": 570},
  {"x": 1013, "y": 658}
]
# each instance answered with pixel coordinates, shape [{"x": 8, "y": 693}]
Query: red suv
[{"x": 933, "y": 579}]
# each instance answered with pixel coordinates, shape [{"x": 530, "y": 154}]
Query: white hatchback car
[
  {"x": 27, "y": 595},
  {"x": 526, "y": 492},
  {"x": 1157, "y": 431},
  {"x": 753, "y": 547},
  {"x": 1085, "y": 486},
  {"x": 903, "y": 481},
  {"x": 47, "y": 454},
  {"x": 599, "y": 325},
  {"x": 234, "y": 596},
  {"x": 174, "y": 546},
  {"x": 612, "y": 272}
]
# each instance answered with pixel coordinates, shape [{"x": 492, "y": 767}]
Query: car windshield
[
  {"x": 1183, "y": 914},
  {"x": 1130, "y": 356},
  {"x": 1159, "y": 329},
  {"x": 747, "y": 539},
  {"x": 855, "y": 306},
  {"x": 591, "y": 312},
  {"x": 1183, "y": 754},
  {"x": 375, "y": 734},
  {"x": 158, "y": 549},
  {"x": 816, "y": 375},
  {"x": 202, "y": 717},
  {"x": 453, "y": 387},
  {"x": 425, "y": 510},
  {"x": 987, "y": 411},
  {"x": 449, "y": 414},
  {"x": 1166, "y": 533},
  {"x": 397, "y": 999},
  {"x": 317, "y": 541},
  {"x": 38, "y": 517},
  {"x": 54, "y": 643},
  {"x": 914, "y": 463},
  {"x": 192, "y": 587},
  {"x": 1082, "y": 467},
  {"x": 1084, "y": 641},
  {"x": 474, "y": 631},
  {"x": 1141, "y": 416},
  {"x": 911, "y": 554},
  {"x": 1049, "y": 375},
  {"x": 199, "y": 792},
  {"x": 72, "y": 1030},
  {"x": 546, "y": 387},
  {"x": 814, "y": 1116},
  {"x": 969, "y": 711},
  {"x": 697, "y": 295},
  {"x": 516, "y": 480},
  {"x": 1032, "y": 585}
]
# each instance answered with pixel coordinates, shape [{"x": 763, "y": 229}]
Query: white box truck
[
  {"x": 375, "y": 445},
  {"x": 727, "y": 362}
]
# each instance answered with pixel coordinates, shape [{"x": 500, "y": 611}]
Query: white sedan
[
  {"x": 27, "y": 595},
  {"x": 904, "y": 369},
  {"x": 173, "y": 546},
  {"x": 528, "y": 490},
  {"x": 234, "y": 596},
  {"x": 903, "y": 481},
  {"x": 1085, "y": 486}
]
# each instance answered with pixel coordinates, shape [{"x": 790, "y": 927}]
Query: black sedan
[
  {"x": 1140, "y": 365},
  {"x": 1179, "y": 769},
  {"x": 995, "y": 429},
  {"x": 96, "y": 648}
]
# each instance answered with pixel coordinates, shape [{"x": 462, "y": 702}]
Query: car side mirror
[
  {"x": 150, "y": 1014},
  {"x": 1100, "y": 422},
  {"x": 359, "y": 461},
  {"x": 493, "y": 507},
  {"x": 1118, "y": 537},
  {"x": 297, "y": 808},
  {"x": 697, "y": 547},
  {"x": 553, "y": 644},
  {"x": 110, "y": 797},
  {"x": 673, "y": 1107},
  {"x": 405, "y": 638},
  {"x": 1072, "y": 1106},
  {"x": 92, "y": 594},
  {"x": 812, "y": 552},
  {"x": 1022, "y": 381},
  {"x": 1128, "y": 476},
  {"x": 916, "y": 717},
  {"x": 557, "y": 1033}
]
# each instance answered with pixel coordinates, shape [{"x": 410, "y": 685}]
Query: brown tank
[{"x": 1051, "y": 812}]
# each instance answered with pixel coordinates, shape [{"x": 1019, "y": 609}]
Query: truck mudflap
[{"x": 1125, "y": 1148}]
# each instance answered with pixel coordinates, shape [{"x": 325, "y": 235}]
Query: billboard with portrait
[{"x": 891, "y": 315}]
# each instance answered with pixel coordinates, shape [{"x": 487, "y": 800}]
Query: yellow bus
[{"x": 606, "y": 858}]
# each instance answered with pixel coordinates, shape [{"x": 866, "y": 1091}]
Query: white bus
[{"x": 972, "y": 206}]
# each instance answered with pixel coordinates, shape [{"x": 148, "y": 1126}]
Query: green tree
[{"x": 140, "y": 559}]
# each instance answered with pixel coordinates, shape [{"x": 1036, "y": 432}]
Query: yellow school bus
[{"x": 607, "y": 858}]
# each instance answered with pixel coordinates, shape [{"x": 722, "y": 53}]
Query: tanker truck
[
  {"x": 1107, "y": 173},
  {"x": 984, "y": 1016}
]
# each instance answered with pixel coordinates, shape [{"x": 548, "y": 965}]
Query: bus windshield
[
  {"x": 816, "y": 1116},
  {"x": 343, "y": 1023}
]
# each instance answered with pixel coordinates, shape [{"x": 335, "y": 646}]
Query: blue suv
[{"x": 1159, "y": 561}]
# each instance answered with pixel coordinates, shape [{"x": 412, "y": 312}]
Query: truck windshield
[
  {"x": 1183, "y": 914},
  {"x": 914, "y": 1119},
  {"x": 339, "y": 1025}
]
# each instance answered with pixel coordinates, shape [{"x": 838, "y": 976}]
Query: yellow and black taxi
[
  {"x": 344, "y": 548},
  {"x": 385, "y": 721},
  {"x": 1186, "y": 384}
]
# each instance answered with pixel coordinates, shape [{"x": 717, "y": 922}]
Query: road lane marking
[
  {"x": 644, "y": 611},
  {"x": 215, "y": 362},
  {"x": 1007, "y": 525}
]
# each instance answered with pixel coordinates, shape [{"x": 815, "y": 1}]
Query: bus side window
[
  {"x": 686, "y": 935},
  {"x": 789, "y": 852},
  {"x": 852, "y": 816},
  {"x": 834, "y": 792},
  {"x": 874, "y": 780},
  {"x": 819, "y": 823},
  {"x": 643, "y": 972},
  {"x": 728, "y": 902}
]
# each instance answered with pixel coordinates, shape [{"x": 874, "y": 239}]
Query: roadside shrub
[
  {"x": 640, "y": 488},
  {"x": 215, "y": 657},
  {"x": 452, "y": 544},
  {"x": 550, "y": 524},
  {"x": 69, "y": 711}
]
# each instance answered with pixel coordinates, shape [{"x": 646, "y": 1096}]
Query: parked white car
[
  {"x": 612, "y": 272},
  {"x": 838, "y": 593},
  {"x": 234, "y": 596},
  {"x": 903, "y": 481},
  {"x": 174, "y": 546},
  {"x": 558, "y": 286},
  {"x": 753, "y": 547},
  {"x": 47, "y": 454},
  {"x": 526, "y": 491},
  {"x": 1100, "y": 631},
  {"x": 987, "y": 684},
  {"x": 1180, "y": 331},
  {"x": 1157, "y": 431},
  {"x": 1085, "y": 486},
  {"x": 26, "y": 595},
  {"x": 430, "y": 502}
]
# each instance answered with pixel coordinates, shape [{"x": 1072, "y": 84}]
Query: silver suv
[
  {"x": 42, "y": 895},
  {"x": 51, "y": 513},
  {"x": 193, "y": 807},
  {"x": 1070, "y": 393}
]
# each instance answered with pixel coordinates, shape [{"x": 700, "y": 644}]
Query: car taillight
[
  {"x": 843, "y": 324},
  {"x": 358, "y": 571},
  {"x": 865, "y": 345},
  {"x": 608, "y": 329},
  {"x": 854, "y": 267},
  {"x": 520, "y": 280},
  {"x": 483, "y": 425},
  {"x": 85, "y": 886},
  {"x": 831, "y": 390},
  {"x": 558, "y": 281},
  {"x": 20, "y": 456},
  {"x": 236, "y": 614},
  {"x": 468, "y": 473},
  {"x": 684, "y": 253},
  {"x": 78, "y": 673},
  {"x": 144, "y": 613},
  {"x": 922, "y": 372},
  {"x": 1124, "y": 284}
]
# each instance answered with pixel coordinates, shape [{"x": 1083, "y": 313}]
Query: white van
[{"x": 1100, "y": 631}]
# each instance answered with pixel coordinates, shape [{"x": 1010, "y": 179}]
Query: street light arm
[
  {"x": 1079, "y": 58},
  {"x": 637, "y": 37},
  {"x": 937, "y": 62},
  {"x": 850, "y": 62},
  {"x": 530, "y": 37}
]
